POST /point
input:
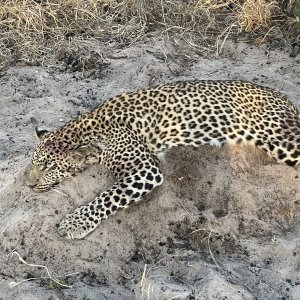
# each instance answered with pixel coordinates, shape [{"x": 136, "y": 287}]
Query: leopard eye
[{"x": 41, "y": 167}]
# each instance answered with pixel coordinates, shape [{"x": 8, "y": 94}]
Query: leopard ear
[
  {"x": 40, "y": 132},
  {"x": 82, "y": 151},
  {"x": 79, "y": 154}
]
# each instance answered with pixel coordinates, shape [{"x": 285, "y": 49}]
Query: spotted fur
[{"x": 127, "y": 133}]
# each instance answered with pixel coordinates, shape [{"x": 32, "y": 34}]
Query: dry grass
[
  {"x": 34, "y": 30},
  {"x": 256, "y": 15},
  {"x": 58, "y": 283}
]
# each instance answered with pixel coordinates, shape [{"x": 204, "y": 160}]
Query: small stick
[{"x": 13, "y": 284}]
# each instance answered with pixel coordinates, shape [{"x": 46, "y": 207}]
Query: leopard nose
[
  {"x": 30, "y": 183},
  {"x": 31, "y": 180}
]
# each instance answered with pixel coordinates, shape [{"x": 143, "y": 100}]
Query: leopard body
[{"x": 127, "y": 133}]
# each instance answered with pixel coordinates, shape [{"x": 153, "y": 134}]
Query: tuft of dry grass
[
  {"x": 35, "y": 30},
  {"x": 256, "y": 15}
]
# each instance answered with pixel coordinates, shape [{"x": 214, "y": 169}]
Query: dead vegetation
[
  {"x": 256, "y": 15},
  {"x": 35, "y": 30}
]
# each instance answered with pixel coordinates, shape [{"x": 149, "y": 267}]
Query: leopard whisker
[{"x": 60, "y": 191}]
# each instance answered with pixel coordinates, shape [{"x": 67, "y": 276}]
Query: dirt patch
[{"x": 224, "y": 225}]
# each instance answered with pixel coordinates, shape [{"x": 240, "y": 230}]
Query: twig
[
  {"x": 14, "y": 284},
  {"x": 213, "y": 258}
]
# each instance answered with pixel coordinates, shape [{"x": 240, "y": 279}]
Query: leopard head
[{"x": 54, "y": 159}]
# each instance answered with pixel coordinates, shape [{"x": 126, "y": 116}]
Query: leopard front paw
[{"x": 77, "y": 226}]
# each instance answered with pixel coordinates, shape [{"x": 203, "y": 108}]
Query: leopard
[{"x": 128, "y": 133}]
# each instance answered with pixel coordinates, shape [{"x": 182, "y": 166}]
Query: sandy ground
[{"x": 225, "y": 224}]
